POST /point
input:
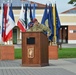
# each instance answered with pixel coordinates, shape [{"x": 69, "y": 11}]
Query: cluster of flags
[
  {"x": 53, "y": 21},
  {"x": 8, "y": 22},
  {"x": 26, "y": 17},
  {"x": 57, "y": 24}
]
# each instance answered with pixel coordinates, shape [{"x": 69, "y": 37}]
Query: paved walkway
[
  {"x": 68, "y": 45},
  {"x": 63, "y": 46},
  {"x": 56, "y": 67}
]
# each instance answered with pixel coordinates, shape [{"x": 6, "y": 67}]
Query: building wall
[
  {"x": 68, "y": 19},
  {"x": 39, "y": 14},
  {"x": 72, "y": 34},
  {"x": 16, "y": 14}
]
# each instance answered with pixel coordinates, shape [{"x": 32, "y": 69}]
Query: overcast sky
[{"x": 62, "y": 5}]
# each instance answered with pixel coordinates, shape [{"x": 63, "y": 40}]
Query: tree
[{"x": 73, "y": 2}]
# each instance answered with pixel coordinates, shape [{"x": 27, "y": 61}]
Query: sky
[{"x": 62, "y": 5}]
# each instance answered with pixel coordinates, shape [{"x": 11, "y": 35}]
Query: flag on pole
[
  {"x": 27, "y": 17},
  {"x": 50, "y": 22},
  {"x": 31, "y": 17},
  {"x": 34, "y": 11},
  {"x": 4, "y": 21},
  {"x": 1, "y": 17},
  {"x": 54, "y": 24},
  {"x": 45, "y": 17},
  {"x": 26, "y": 20},
  {"x": 57, "y": 24},
  {"x": 21, "y": 22},
  {"x": 10, "y": 24}
]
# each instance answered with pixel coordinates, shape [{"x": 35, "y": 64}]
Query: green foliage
[{"x": 73, "y": 2}]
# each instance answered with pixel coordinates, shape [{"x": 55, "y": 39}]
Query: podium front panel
[{"x": 34, "y": 50}]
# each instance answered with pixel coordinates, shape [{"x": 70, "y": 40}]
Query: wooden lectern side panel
[{"x": 44, "y": 48}]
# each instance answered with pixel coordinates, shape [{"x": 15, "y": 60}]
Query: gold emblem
[{"x": 31, "y": 52}]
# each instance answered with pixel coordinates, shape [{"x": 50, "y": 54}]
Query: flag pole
[
  {"x": 1, "y": 22},
  {"x": 54, "y": 23}
]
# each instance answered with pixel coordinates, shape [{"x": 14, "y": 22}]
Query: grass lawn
[
  {"x": 63, "y": 53},
  {"x": 67, "y": 53},
  {"x": 18, "y": 53}
]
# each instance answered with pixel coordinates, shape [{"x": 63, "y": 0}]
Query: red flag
[
  {"x": 7, "y": 22},
  {"x": 4, "y": 21},
  {"x": 21, "y": 22}
]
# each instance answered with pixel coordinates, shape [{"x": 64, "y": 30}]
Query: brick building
[{"x": 68, "y": 26}]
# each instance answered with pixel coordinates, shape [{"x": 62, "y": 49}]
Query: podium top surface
[{"x": 33, "y": 32}]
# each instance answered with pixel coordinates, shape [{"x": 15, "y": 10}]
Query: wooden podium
[{"x": 34, "y": 49}]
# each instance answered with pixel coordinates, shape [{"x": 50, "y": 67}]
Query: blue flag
[
  {"x": 45, "y": 17},
  {"x": 50, "y": 22},
  {"x": 31, "y": 17},
  {"x": 11, "y": 13},
  {"x": 34, "y": 11},
  {"x": 26, "y": 6},
  {"x": 57, "y": 25}
]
